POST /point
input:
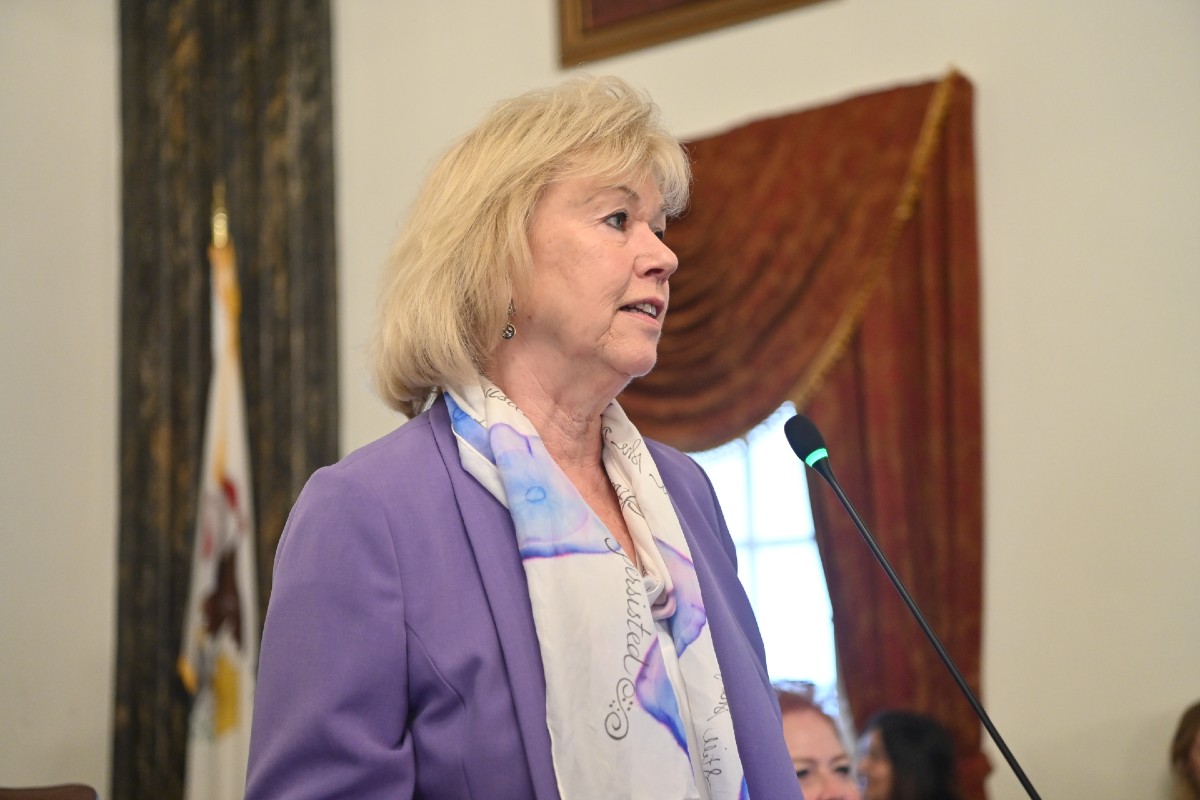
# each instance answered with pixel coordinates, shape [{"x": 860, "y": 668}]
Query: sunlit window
[{"x": 764, "y": 494}]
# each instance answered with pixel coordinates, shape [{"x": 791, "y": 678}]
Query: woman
[
  {"x": 1185, "y": 755},
  {"x": 906, "y": 756},
  {"x": 514, "y": 595},
  {"x": 815, "y": 744}
]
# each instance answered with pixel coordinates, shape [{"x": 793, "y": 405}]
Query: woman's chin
[{"x": 640, "y": 367}]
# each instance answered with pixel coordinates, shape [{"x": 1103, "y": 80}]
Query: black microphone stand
[{"x": 818, "y": 460}]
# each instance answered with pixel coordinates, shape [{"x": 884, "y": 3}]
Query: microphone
[{"x": 809, "y": 445}]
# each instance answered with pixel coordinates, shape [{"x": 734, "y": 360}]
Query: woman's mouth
[{"x": 649, "y": 309}]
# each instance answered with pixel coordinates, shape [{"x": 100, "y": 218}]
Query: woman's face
[
  {"x": 824, "y": 769},
  {"x": 599, "y": 291},
  {"x": 874, "y": 767}
]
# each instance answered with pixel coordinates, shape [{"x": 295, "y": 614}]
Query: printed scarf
[{"x": 634, "y": 699}]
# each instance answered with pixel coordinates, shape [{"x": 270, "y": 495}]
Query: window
[{"x": 764, "y": 494}]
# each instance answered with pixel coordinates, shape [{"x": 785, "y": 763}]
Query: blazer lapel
[{"x": 490, "y": 531}]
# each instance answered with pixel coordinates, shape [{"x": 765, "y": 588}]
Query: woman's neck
[
  {"x": 569, "y": 430},
  {"x": 566, "y": 412}
]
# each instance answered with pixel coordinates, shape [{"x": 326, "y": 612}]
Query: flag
[{"x": 220, "y": 633}]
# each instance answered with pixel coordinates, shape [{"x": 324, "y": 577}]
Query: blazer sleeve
[{"x": 331, "y": 702}]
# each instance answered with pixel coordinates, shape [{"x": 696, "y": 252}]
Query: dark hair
[
  {"x": 1188, "y": 729},
  {"x": 922, "y": 755}
]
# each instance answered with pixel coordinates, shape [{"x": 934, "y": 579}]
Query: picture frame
[{"x": 593, "y": 29}]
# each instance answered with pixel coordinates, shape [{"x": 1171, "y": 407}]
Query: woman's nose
[
  {"x": 656, "y": 259},
  {"x": 820, "y": 789}
]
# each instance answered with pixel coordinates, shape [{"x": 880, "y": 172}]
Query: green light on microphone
[{"x": 815, "y": 456}]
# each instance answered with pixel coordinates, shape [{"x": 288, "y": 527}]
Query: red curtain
[{"x": 830, "y": 257}]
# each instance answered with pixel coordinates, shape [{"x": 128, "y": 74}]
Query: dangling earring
[{"x": 509, "y": 331}]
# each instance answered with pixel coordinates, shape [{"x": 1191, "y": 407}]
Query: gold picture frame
[{"x": 591, "y": 29}]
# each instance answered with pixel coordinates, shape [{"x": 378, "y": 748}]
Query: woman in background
[
  {"x": 814, "y": 741},
  {"x": 906, "y": 756},
  {"x": 1185, "y": 755}
]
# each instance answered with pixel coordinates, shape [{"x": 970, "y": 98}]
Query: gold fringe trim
[{"x": 927, "y": 142}]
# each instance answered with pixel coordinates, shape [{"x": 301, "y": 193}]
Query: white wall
[
  {"x": 1088, "y": 120},
  {"x": 59, "y": 281}
]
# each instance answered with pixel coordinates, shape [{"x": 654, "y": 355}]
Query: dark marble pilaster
[{"x": 238, "y": 92}]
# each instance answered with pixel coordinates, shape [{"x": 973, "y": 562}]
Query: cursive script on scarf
[
  {"x": 631, "y": 450},
  {"x": 710, "y": 759},
  {"x": 637, "y": 640}
]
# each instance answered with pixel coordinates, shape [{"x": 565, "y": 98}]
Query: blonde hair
[
  {"x": 463, "y": 255},
  {"x": 802, "y": 696}
]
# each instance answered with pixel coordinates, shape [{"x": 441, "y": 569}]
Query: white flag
[{"x": 220, "y": 633}]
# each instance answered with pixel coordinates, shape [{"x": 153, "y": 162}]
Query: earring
[{"x": 509, "y": 331}]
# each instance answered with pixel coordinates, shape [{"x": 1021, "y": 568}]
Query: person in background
[
  {"x": 906, "y": 756},
  {"x": 1185, "y": 755},
  {"x": 814, "y": 741},
  {"x": 514, "y": 595}
]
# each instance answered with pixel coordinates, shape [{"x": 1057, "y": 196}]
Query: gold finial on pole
[
  {"x": 220, "y": 219},
  {"x": 223, "y": 260}
]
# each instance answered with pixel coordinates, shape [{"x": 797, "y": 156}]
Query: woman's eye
[
  {"x": 843, "y": 770},
  {"x": 802, "y": 773},
  {"x": 661, "y": 234},
  {"x": 618, "y": 220}
]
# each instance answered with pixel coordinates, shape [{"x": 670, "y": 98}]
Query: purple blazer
[{"x": 399, "y": 657}]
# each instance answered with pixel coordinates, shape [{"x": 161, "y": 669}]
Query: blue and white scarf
[{"x": 634, "y": 699}]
